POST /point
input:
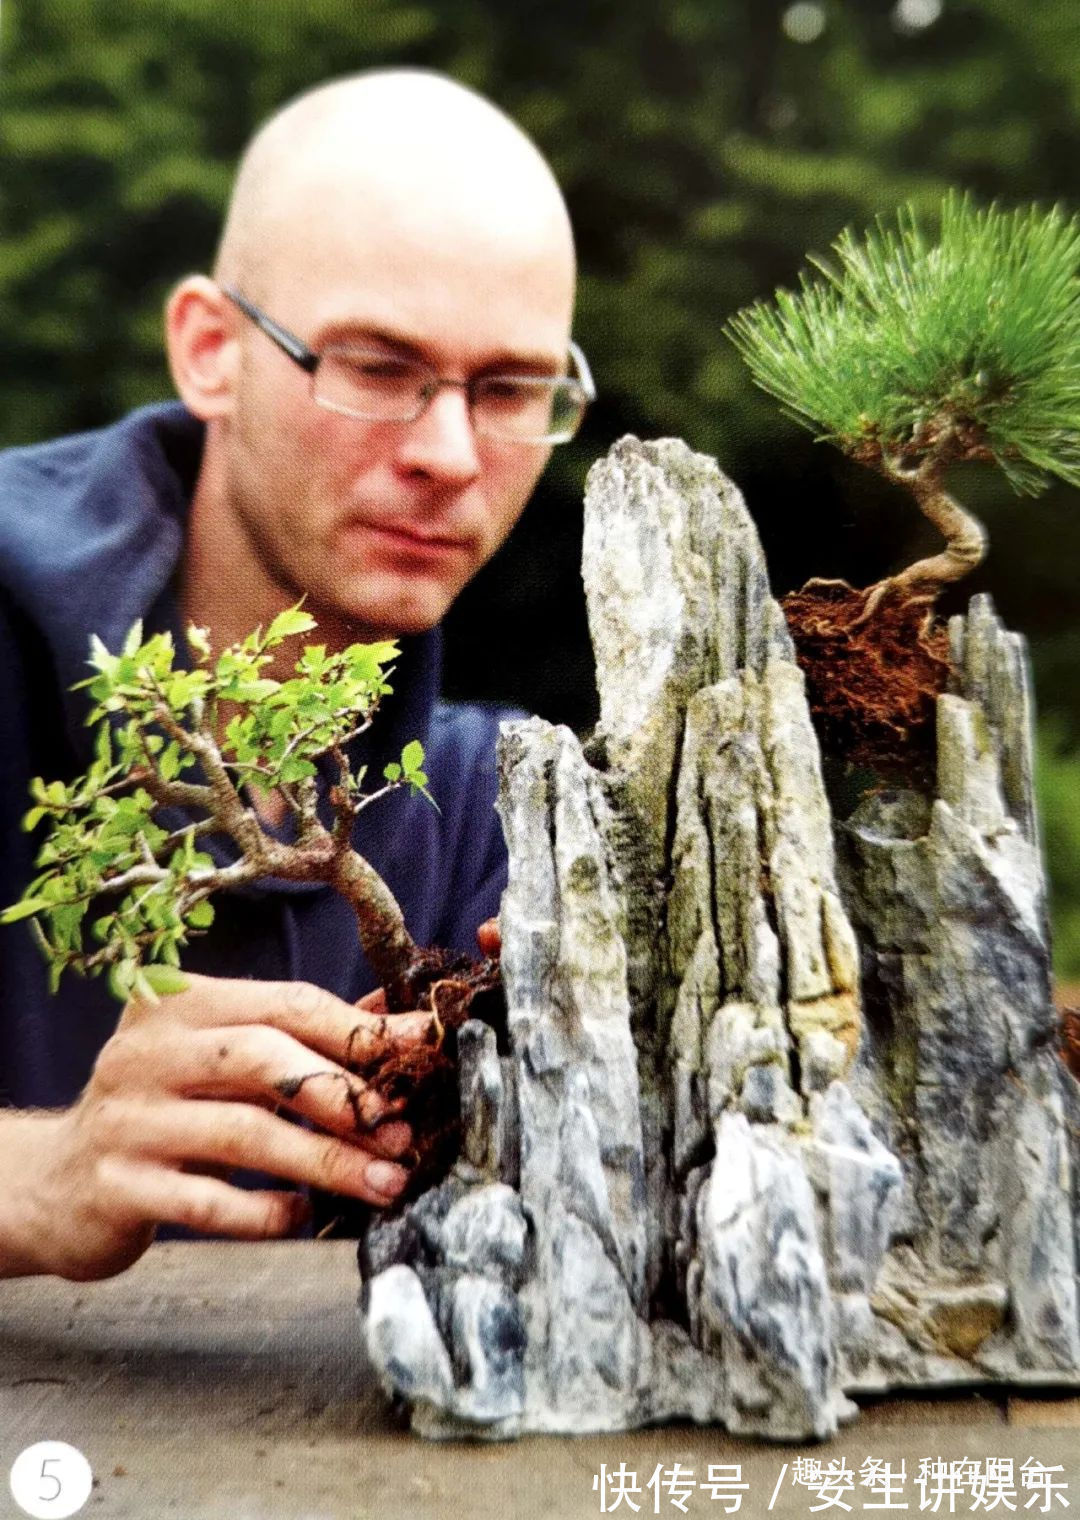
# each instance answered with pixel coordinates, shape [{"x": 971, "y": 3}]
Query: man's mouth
[{"x": 405, "y": 540}]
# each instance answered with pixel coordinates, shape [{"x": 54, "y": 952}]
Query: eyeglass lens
[{"x": 382, "y": 388}]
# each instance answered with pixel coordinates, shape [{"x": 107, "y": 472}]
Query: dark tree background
[{"x": 704, "y": 149}]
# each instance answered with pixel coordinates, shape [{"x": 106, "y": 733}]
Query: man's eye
[
  {"x": 509, "y": 392},
  {"x": 377, "y": 369}
]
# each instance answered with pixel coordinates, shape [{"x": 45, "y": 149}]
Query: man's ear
[{"x": 200, "y": 336}]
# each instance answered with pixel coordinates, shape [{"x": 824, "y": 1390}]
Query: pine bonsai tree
[{"x": 911, "y": 354}]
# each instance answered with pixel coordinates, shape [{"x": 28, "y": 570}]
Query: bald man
[{"x": 371, "y": 383}]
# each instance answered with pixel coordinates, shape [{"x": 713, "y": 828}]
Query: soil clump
[{"x": 872, "y": 682}]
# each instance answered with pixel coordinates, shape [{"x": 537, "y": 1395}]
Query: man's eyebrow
[
  {"x": 525, "y": 363},
  {"x": 359, "y": 334}
]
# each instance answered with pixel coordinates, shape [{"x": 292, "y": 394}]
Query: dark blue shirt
[{"x": 91, "y": 532}]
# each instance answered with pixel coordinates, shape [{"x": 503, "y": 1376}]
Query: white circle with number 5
[{"x": 50, "y": 1480}]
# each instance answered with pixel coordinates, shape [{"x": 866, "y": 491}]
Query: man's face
[{"x": 384, "y": 523}]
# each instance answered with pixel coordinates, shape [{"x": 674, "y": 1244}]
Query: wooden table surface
[{"x": 228, "y": 1380}]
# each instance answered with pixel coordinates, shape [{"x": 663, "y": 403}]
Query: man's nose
[{"x": 441, "y": 442}]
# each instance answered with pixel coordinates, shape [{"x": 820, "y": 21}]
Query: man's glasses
[{"x": 376, "y": 386}]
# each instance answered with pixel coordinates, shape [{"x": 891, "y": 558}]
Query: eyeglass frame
[{"x": 309, "y": 359}]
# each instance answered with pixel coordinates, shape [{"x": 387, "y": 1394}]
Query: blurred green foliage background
[{"x": 704, "y": 147}]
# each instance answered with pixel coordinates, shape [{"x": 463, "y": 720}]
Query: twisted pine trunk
[{"x": 964, "y": 535}]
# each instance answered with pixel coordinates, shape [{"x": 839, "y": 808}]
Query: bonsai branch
[
  {"x": 317, "y": 856},
  {"x": 964, "y": 535}
]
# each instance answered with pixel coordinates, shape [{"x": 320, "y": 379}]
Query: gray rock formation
[
  {"x": 959, "y": 1070},
  {"x": 712, "y": 1180}
]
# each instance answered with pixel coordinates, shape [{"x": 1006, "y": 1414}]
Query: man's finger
[
  {"x": 252, "y": 1062},
  {"x": 240, "y": 1134},
  {"x": 489, "y": 937},
  {"x": 311, "y": 1015},
  {"x": 145, "y": 1191},
  {"x": 261, "y": 1062}
]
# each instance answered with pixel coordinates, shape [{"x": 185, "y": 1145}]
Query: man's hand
[{"x": 186, "y": 1089}]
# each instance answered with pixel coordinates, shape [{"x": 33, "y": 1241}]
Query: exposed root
[
  {"x": 355, "y": 1094},
  {"x": 875, "y": 661},
  {"x": 820, "y": 582},
  {"x": 424, "y": 1077},
  {"x": 875, "y": 595}
]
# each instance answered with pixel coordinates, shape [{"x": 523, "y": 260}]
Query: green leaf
[
  {"x": 165, "y": 979},
  {"x": 134, "y": 638},
  {"x": 313, "y": 661},
  {"x": 365, "y": 662},
  {"x": 249, "y": 691},
  {"x": 100, "y": 658},
  {"x": 24, "y": 908},
  {"x": 412, "y": 756},
  {"x": 199, "y": 641},
  {"x": 292, "y": 621},
  {"x": 143, "y": 987},
  {"x": 201, "y": 915},
  {"x": 296, "y": 769},
  {"x": 103, "y": 744},
  {"x": 169, "y": 762},
  {"x": 121, "y": 979},
  {"x": 392, "y": 772}
]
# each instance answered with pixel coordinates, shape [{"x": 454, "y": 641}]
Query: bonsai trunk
[
  {"x": 416, "y": 977},
  {"x": 964, "y": 535},
  {"x": 391, "y": 950}
]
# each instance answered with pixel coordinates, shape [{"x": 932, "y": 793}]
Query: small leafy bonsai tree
[
  {"x": 119, "y": 892},
  {"x": 912, "y": 354}
]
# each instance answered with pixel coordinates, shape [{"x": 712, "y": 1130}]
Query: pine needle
[{"x": 899, "y": 341}]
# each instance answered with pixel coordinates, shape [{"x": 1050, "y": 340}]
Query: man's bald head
[
  {"x": 388, "y": 218},
  {"x": 399, "y": 145}
]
